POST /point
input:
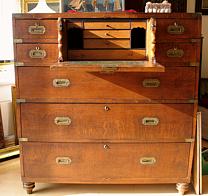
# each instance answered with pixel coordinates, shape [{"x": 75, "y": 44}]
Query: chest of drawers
[{"x": 107, "y": 98}]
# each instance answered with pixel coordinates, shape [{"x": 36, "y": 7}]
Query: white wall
[{"x": 191, "y": 9}]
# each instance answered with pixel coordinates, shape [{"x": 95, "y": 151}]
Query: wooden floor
[{"x": 10, "y": 185}]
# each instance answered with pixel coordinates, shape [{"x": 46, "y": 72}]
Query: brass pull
[
  {"x": 107, "y": 108},
  {"x": 147, "y": 160},
  {"x": 106, "y": 146},
  {"x": 62, "y": 121},
  {"x": 176, "y": 29},
  {"x": 63, "y": 161},
  {"x": 175, "y": 53},
  {"x": 109, "y": 69},
  {"x": 36, "y": 29},
  {"x": 60, "y": 83},
  {"x": 37, "y": 53},
  {"x": 150, "y": 121},
  {"x": 108, "y": 26},
  {"x": 151, "y": 83}
]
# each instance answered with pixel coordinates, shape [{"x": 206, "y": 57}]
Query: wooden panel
[
  {"x": 106, "y": 43},
  {"x": 1, "y": 131},
  {"x": 96, "y": 86},
  {"x": 107, "y": 25},
  {"x": 23, "y": 53},
  {"x": 140, "y": 24},
  {"x": 111, "y": 122},
  {"x": 190, "y": 52},
  {"x": 74, "y": 24},
  {"x": 109, "y": 34},
  {"x": 106, "y": 163},
  {"x": 23, "y": 27},
  {"x": 107, "y": 54},
  {"x": 182, "y": 28}
]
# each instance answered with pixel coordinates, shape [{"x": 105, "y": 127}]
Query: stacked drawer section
[{"x": 90, "y": 127}]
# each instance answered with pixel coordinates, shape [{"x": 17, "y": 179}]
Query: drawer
[
  {"x": 106, "y": 43},
  {"x": 69, "y": 85},
  {"x": 109, "y": 34},
  {"x": 31, "y": 30},
  {"x": 73, "y": 122},
  {"x": 106, "y": 162},
  {"x": 37, "y": 53},
  {"x": 178, "y": 52},
  {"x": 106, "y": 25},
  {"x": 178, "y": 28}
]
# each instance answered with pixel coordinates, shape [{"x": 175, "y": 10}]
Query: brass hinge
[
  {"x": 194, "y": 64},
  {"x": 189, "y": 140},
  {"x": 23, "y": 139},
  {"x": 192, "y": 101},
  {"x": 19, "y": 64},
  {"x": 18, "y": 41},
  {"x": 109, "y": 69},
  {"x": 20, "y": 100},
  {"x": 195, "y": 40}
]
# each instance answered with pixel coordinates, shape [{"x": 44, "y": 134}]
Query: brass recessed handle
[
  {"x": 37, "y": 53},
  {"x": 36, "y": 29},
  {"x": 60, "y": 83},
  {"x": 150, "y": 121},
  {"x": 62, "y": 121},
  {"x": 175, "y": 53},
  {"x": 147, "y": 160},
  {"x": 175, "y": 29},
  {"x": 63, "y": 161},
  {"x": 151, "y": 83}
]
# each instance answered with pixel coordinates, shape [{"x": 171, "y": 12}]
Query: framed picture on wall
[
  {"x": 93, "y": 5},
  {"x": 202, "y": 6},
  {"x": 28, "y": 5}
]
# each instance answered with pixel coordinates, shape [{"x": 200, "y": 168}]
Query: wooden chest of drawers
[{"x": 107, "y": 98}]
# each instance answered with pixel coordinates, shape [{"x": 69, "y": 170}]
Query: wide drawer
[
  {"x": 106, "y": 43},
  {"x": 31, "y": 30},
  {"x": 178, "y": 52},
  {"x": 109, "y": 34},
  {"x": 37, "y": 53},
  {"x": 106, "y": 162},
  {"x": 74, "y": 85},
  {"x": 177, "y": 28},
  {"x": 106, "y": 25},
  {"x": 142, "y": 122}
]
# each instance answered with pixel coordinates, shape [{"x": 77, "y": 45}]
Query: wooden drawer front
[
  {"x": 175, "y": 28},
  {"x": 107, "y": 25},
  {"x": 178, "y": 52},
  {"x": 107, "y": 54},
  {"x": 106, "y": 163},
  {"x": 37, "y": 53},
  {"x": 106, "y": 43},
  {"x": 100, "y": 87},
  {"x": 109, "y": 34},
  {"x": 69, "y": 122},
  {"x": 36, "y": 29}
]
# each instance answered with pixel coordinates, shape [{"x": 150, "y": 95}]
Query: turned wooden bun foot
[
  {"x": 182, "y": 188},
  {"x": 29, "y": 186}
]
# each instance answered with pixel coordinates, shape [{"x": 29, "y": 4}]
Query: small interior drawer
[{"x": 107, "y": 25}]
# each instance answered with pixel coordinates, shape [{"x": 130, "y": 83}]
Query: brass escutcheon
[{"x": 63, "y": 161}]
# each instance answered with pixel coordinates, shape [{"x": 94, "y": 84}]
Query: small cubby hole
[
  {"x": 138, "y": 38},
  {"x": 75, "y": 38}
]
